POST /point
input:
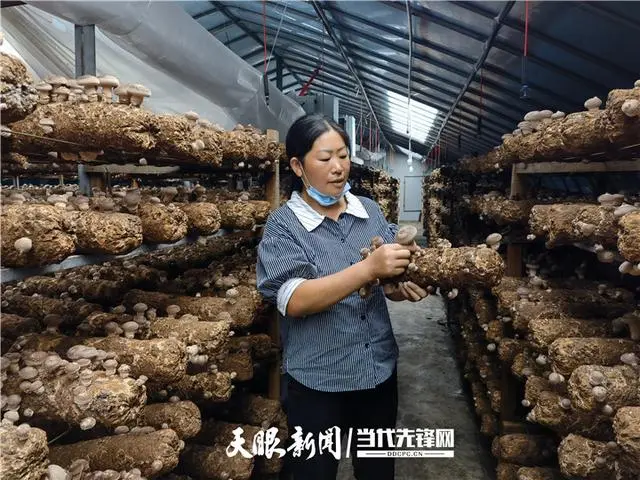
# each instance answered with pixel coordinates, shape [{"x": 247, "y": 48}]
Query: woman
[{"x": 339, "y": 349}]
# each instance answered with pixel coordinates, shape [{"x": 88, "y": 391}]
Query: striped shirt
[{"x": 351, "y": 345}]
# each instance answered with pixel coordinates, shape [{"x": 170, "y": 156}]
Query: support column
[
  {"x": 279, "y": 73},
  {"x": 85, "y": 48}
]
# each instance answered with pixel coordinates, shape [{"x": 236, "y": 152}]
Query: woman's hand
[
  {"x": 388, "y": 260},
  {"x": 404, "y": 291}
]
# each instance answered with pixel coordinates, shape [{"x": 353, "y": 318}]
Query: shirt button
[
  {"x": 366, "y": 345},
  {"x": 342, "y": 240},
  {"x": 362, "y": 317}
]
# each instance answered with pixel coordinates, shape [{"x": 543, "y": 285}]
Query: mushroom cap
[
  {"x": 140, "y": 307},
  {"x": 122, "y": 89},
  {"x": 173, "y": 309},
  {"x": 611, "y": 197},
  {"x": 109, "y": 81},
  {"x": 130, "y": 326},
  {"x": 73, "y": 84},
  {"x": 47, "y": 121},
  {"x": 624, "y": 209},
  {"x": 58, "y": 80},
  {"x": 593, "y": 102},
  {"x": 88, "y": 81},
  {"x": 558, "y": 114},
  {"x": 191, "y": 115},
  {"x": 140, "y": 90},
  {"x": 62, "y": 89},
  {"x": 493, "y": 239},
  {"x": 531, "y": 116},
  {"x": 23, "y": 244},
  {"x": 43, "y": 87},
  {"x": 545, "y": 114}
]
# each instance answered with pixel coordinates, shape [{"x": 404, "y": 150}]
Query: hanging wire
[
  {"x": 524, "y": 89},
  {"x": 284, "y": 11},
  {"x": 264, "y": 33},
  {"x": 410, "y": 26}
]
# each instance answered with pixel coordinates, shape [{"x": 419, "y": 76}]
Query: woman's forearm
[{"x": 317, "y": 295}]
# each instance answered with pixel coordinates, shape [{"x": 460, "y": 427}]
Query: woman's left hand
[{"x": 405, "y": 291}]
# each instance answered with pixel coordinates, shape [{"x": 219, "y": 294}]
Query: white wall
[{"x": 399, "y": 168}]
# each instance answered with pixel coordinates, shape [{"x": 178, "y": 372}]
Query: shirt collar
[{"x": 311, "y": 219}]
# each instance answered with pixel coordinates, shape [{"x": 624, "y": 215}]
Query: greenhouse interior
[{"x": 193, "y": 290}]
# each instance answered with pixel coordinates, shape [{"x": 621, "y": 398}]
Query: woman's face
[{"x": 327, "y": 164}]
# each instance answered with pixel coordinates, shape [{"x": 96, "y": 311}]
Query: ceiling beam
[
  {"x": 225, "y": 11},
  {"x": 533, "y": 102},
  {"x": 336, "y": 41},
  {"x": 485, "y": 52},
  {"x": 518, "y": 25}
]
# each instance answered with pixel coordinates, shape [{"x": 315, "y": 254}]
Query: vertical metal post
[
  {"x": 279, "y": 69},
  {"x": 85, "y": 45},
  {"x": 83, "y": 180}
]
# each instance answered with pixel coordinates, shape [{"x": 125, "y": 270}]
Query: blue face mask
[
  {"x": 327, "y": 200},
  {"x": 321, "y": 198}
]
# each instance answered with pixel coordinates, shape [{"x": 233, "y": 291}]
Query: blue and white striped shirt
[{"x": 351, "y": 345}]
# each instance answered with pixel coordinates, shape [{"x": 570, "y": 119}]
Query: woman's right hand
[{"x": 388, "y": 260}]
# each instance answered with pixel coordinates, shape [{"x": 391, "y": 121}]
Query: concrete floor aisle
[{"x": 430, "y": 396}]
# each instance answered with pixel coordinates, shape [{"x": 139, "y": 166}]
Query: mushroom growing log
[
  {"x": 524, "y": 449},
  {"x": 620, "y": 122},
  {"x": 239, "y": 362},
  {"x": 450, "y": 268},
  {"x": 599, "y": 308},
  {"x": 237, "y": 215},
  {"x": 244, "y": 143},
  {"x": 103, "y": 126},
  {"x": 35, "y": 235},
  {"x": 108, "y": 233},
  {"x": 215, "y": 432},
  {"x": 576, "y": 222},
  {"x": 162, "y": 224},
  {"x": 501, "y": 210},
  {"x": 242, "y": 309},
  {"x": 556, "y": 413},
  {"x": 539, "y": 473},
  {"x": 24, "y": 453},
  {"x": 626, "y": 424},
  {"x": 154, "y": 454},
  {"x": 533, "y": 389},
  {"x": 262, "y": 347},
  {"x": 210, "y": 337},
  {"x": 584, "y": 458},
  {"x": 13, "y": 326},
  {"x": 507, "y": 471},
  {"x": 545, "y": 330},
  {"x": 509, "y": 348},
  {"x": 161, "y": 359},
  {"x": 42, "y": 308},
  {"x": 205, "y": 463},
  {"x": 629, "y": 237},
  {"x": 567, "y": 354},
  {"x": 203, "y": 218},
  {"x": 61, "y": 390},
  {"x": 17, "y": 93},
  {"x": 251, "y": 409},
  {"x": 213, "y": 387},
  {"x": 96, "y": 323},
  {"x": 619, "y": 387},
  {"x": 181, "y": 417}
]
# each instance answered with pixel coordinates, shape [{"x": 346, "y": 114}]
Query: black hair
[{"x": 302, "y": 135}]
